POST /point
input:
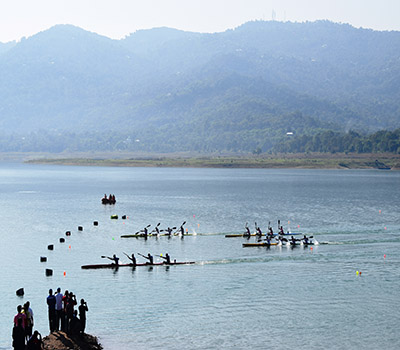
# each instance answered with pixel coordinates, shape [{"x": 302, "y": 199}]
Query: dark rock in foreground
[{"x": 62, "y": 341}]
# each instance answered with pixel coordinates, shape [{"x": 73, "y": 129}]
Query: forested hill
[{"x": 168, "y": 90}]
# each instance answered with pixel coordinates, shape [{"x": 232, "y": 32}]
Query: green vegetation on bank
[
  {"x": 332, "y": 142},
  {"x": 311, "y": 161},
  {"x": 242, "y": 141}
]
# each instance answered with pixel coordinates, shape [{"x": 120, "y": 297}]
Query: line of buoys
[
  {"x": 50, "y": 247},
  {"x": 80, "y": 228},
  {"x": 20, "y": 292},
  {"x": 49, "y": 272},
  {"x": 43, "y": 259},
  {"x": 95, "y": 223}
]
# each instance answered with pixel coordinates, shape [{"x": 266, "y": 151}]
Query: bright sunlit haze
[{"x": 117, "y": 19}]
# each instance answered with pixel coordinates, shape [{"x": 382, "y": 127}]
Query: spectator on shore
[
  {"x": 29, "y": 320},
  {"x": 35, "y": 342},
  {"x": 18, "y": 316},
  {"x": 51, "y": 302},
  {"x": 82, "y": 315},
  {"x": 71, "y": 302},
  {"x": 18, "y": 335},
  {"x": 74, "y": 324},
  {"x": 64, "y": 313},
  {"x": 59, "y": 308}
]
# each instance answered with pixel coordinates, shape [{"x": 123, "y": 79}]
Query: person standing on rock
[
  {"x": 51, "y": 302},
  {"x": 18, "y": 316},
  {"x": 18, "y": 335},
  {"x": 59, "y": 308},
  {"x": 82, "y": 315},
  {"x": 29, "y": 320}
]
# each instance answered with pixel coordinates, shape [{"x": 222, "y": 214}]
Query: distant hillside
[{"x": 170, "y": 90}]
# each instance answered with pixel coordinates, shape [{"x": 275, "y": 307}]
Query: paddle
[
  {"x": 142, "y": 230},
  {"x": 115, "y": 261},
  {"x": 154, "y": 229},
  {"x": 179, "y": 228}
]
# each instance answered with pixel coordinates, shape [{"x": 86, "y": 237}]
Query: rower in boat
[
  {"x": 145, "y": 232},
  {"x": 247, "y": 233},
  {"x": 132, "y": 258},
  {"x": 166, "y": 258},
  {"x": 281, "y": 230},
  {"x": 114, "y": 258},
  {"x": 293, "y": 240},
  {"x": 182, "y": 230},
  {"x": 149, "y": 257},
  {"x": 307, "y": 240},
  {"x": 258, "y": 231},
  {"x": 169, "y": 231},
  {"x": 281, "y": 239}
]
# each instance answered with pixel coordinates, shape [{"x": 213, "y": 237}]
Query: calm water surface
[{"x": 233, "y": 297}]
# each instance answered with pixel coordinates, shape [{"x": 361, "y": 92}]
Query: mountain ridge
[{"x": 256, "y": 76}]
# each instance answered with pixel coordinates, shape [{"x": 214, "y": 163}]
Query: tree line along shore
[{"x": 306, "y": 161}]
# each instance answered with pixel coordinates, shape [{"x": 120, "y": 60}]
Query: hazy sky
[{"x": 118, "y": 18}]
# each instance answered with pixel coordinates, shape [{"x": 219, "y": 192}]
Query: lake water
[{"x": 233, "y": 297}]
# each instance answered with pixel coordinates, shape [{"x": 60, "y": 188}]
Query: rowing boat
[
  {"x": 255, "y": 234},
  {"x": 300, "y": 243},
  {"x": 113, "y": 266},
  {"x": 259, "y": 244},
  {"x": 142, "y": 235}
]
